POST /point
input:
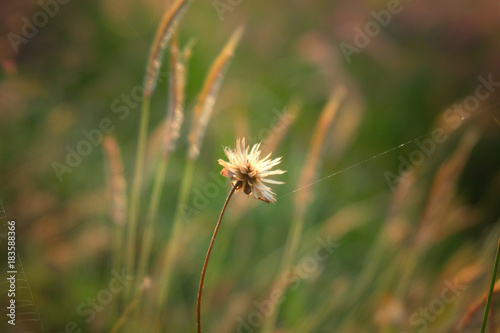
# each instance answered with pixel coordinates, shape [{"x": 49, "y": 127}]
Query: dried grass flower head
[{"x": 246, "y": 169}]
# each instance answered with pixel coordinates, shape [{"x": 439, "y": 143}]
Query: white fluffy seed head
[{"x": 246, "y": 167}]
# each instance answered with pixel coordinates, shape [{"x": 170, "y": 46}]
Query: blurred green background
[{"x": 65, "y": 78}]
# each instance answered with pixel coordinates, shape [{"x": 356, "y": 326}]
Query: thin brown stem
[{"x": 205, "y": 264}]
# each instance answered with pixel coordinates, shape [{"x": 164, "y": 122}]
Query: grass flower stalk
[
  {"x": 117, "y": 189},
  {"x": 136, "y": 190},
  {"x": 175, "y": 116},
  {"x": 175, "y": 235},
  {"x": 303, "y": 197},
  {"x": 117, "y": 195},
  {"x": 163, "y": 35},
  {"x": 209, "y": 92},
  {"x": 202, "y": 114}
]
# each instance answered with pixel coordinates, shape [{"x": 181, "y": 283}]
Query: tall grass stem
[
  {"x": 175, "y": 234},
  {"x": 147, "y": 240},
  {"x": 490, "y": 292},
  {"x": 136, "y": 191}
]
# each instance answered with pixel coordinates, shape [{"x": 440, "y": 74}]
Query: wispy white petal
[{"x": 270, "y": 181}]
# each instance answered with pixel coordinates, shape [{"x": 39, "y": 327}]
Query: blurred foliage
[{"x": 65, "y": 79}]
